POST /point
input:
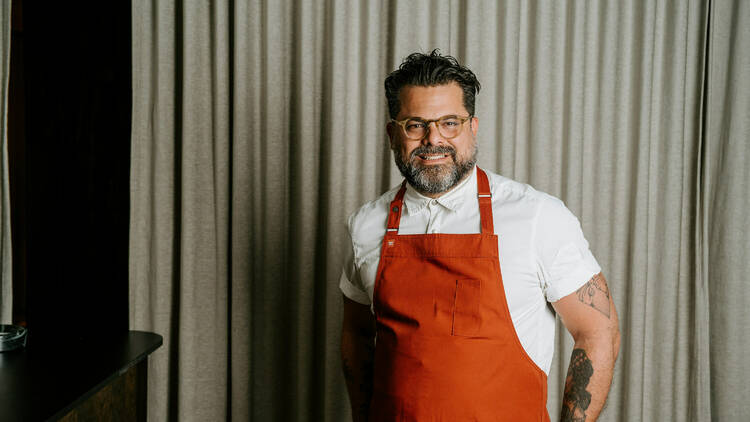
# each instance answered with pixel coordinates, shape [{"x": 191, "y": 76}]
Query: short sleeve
[
  {"x": 350, "y": 282},
  {"x": 562, "y": 252}
]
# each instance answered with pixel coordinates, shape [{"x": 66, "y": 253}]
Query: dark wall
[{"x": 70, "y": 175}]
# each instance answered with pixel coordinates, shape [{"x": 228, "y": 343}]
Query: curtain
[
  {"x": 6, "y": 267},
  {"x": 258, "y": 126},
  {"x": 724, "y": 200}
]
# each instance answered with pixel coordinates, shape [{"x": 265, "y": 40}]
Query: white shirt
[{"x": 543, "y": 254}]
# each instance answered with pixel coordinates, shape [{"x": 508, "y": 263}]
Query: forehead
[{"x": 431, "y": 102}]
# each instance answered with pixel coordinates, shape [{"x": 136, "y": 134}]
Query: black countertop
[{"x": 46, "y": 380}]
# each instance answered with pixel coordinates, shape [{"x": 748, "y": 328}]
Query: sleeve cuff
[
  {"x": 572, "y": 282},
  {"x": 351, "y": 291}
]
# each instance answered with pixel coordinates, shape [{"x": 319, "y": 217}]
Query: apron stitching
[{"x": 453, "y": 310}]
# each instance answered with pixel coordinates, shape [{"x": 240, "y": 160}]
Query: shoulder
[
  {"x": 369, "y": 220},
  {"x": 517, "y": 202},
  {"x": 508, "y": 191}
]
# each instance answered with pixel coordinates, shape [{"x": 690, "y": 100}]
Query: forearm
[
  {"x": 357, "y": 354},
  {"x": 589, "y": 378}
]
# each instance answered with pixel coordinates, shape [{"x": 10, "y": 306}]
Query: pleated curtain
[
  {"x": 258, "y": 126},
  {"x": 723, "y": 238}
]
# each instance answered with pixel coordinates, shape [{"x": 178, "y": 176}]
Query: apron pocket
[{"x": 466, "y": 315}]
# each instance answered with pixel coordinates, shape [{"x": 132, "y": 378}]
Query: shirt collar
[{"x": 453, "y": 200}]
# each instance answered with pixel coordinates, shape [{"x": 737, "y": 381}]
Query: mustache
[{"x": 432, "y": 149}]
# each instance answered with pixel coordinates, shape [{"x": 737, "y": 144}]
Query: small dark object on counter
[{"x": 12, "y": 337}]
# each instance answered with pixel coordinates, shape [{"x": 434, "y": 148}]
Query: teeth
[{"x": 432, "y": 157}]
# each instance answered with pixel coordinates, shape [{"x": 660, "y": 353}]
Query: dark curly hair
[{"x": 429, "y": 70}]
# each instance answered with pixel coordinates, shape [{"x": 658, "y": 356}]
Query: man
[{"x": 446, "y": 288}]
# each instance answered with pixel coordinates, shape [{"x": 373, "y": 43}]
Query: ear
[
  {"x": 474, "y": 125},
  {"x": 390, "y": 129}
]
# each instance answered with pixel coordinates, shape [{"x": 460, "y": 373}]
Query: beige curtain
[
  {"x": 724, "y": 201},
  {"x": 6, "y": 268},
  {"x": 258, "y": 126}
]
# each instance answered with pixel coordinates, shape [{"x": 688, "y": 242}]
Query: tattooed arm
[
  {"x": 357, "y": 349},
  {"x": 590, "y": 316}
]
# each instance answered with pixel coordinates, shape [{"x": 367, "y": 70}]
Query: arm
[
  {"x": 357, "y": 354},
  {"x": 590, "y": 316}
]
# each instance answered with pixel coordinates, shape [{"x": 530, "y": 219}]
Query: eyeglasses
[{"x": 417, "y": 129}]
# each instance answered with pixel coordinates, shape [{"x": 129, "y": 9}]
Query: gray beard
[{"x": 434, "y": 179}]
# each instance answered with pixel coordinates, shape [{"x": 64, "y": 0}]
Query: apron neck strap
[
  {"x": 485, "y": 205},
  {"x": 394, "y": 213},
  {"x": 485, "y": 202}
]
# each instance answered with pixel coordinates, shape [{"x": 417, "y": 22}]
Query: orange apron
[{"x": 446, "y": 346}]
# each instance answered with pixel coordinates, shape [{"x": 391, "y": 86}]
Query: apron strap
[
  {"x": 394, "y": 213},
  {"x": 485, "y": 202}
]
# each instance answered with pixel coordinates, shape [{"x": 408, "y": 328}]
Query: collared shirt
[{"x": 543, "y": 253}]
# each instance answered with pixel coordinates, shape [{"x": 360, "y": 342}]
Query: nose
[{"x": 433, "y": 135}]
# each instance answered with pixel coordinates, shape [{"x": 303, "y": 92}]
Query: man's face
[{"x": 435, "y": 164}]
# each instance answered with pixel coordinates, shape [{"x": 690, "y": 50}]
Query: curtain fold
[
  {"x": 258, "y": 126},
  {"x": 180, "y": 215},
  {"x": 725, "y": 199},
  {"x": 6, "y": 263}
]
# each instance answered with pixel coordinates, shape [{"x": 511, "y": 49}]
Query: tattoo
[
  {"x": 576, "y": 399},
  {"x": 595, "y": 294},
  {"x": 348, "y": 370}
]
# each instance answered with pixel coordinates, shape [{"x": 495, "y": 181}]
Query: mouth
[{"x": 433, "y": 157}]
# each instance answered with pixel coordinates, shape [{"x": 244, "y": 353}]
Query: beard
[{"x": 435, "y": 178}]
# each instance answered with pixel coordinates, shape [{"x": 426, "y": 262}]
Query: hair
[{"x": 432, "y": 69}]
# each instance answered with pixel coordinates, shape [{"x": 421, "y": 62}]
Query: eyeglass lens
[{"x": 448, "y": 127}]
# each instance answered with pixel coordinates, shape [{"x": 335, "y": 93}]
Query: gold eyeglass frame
[{"x": 402, "y": 123}]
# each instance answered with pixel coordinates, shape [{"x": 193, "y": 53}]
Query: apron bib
[{"x": 446, "y": 346}]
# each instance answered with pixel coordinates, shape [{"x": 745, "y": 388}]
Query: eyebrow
[{"x": 423, "y": 119}]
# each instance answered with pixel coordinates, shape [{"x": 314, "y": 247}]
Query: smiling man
[
  {"x": 449, "y": 276},
  {"x": 433, "y": 167}
]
